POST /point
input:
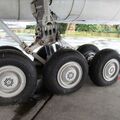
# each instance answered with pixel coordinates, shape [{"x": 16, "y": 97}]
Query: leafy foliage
[
  {"x": 62, "y": 28},
  {"x": 87, "y": 28},
  {"x": 98, "y": 28},
  {"x": 30, "y": 26}
]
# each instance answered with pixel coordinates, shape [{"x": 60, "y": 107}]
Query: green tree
[
  {"x": 86, "y": 28},
  {"x": 62, "y": 28},
  {"x": 30, "y": 26}
]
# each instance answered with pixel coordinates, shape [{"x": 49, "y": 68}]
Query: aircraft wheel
[
  {"x": 105, "y": 67},
  {"x": 65, "y": 72},
  {"x": 9, "y": 47},
  {"x": 17, "y": 77},
  {"x": 89, "y": 51}
]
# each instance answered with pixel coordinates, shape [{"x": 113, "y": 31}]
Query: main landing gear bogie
[
  {"x": 103, "y": 68},
  {"x": 104, "y": 65},
  {"x": 64, "y": 72}
]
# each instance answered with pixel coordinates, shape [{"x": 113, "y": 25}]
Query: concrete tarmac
[{"x": 88, "y": 103}]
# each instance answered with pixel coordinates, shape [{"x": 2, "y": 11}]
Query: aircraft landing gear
[{"x": 64, "y": 71}]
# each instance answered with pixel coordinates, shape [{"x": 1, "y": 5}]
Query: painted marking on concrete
[{"x": 119, "y": 77}]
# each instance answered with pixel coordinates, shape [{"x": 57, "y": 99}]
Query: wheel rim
[
  {"x": 111, "y": 70},
  {"x": 12, "y": 81},
  {"x": 69, "y": 75},
  {"x": 90, "y": 55}
]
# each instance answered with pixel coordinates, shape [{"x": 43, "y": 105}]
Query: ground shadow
[
  {"x": 25, "y": 108},
  {"x": 40, "y": 95}
]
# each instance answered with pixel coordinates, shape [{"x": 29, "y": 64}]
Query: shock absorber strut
[{"x": 47, "y": 28}]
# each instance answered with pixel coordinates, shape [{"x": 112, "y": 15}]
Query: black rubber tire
[
  {"x": 15, "y": 58},
  {"x": 52, "y": 67},
  {"x": 86, "y": 49},
  {"x": 97, "y": 65},
  {"x": 10, "y": 48}
]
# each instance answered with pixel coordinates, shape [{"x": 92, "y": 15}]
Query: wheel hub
[
  {"x": 111, "y": 70},
  {"x": 69, "y": 75},
  {"x": 90, "y": 55},
  {"x": 12, "y": 81},
  {"x": 8, "y": 82}
]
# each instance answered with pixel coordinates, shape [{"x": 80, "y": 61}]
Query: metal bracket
[
  {"x": 47, "y": 29},
  {"x": 22, "y": 44}
]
